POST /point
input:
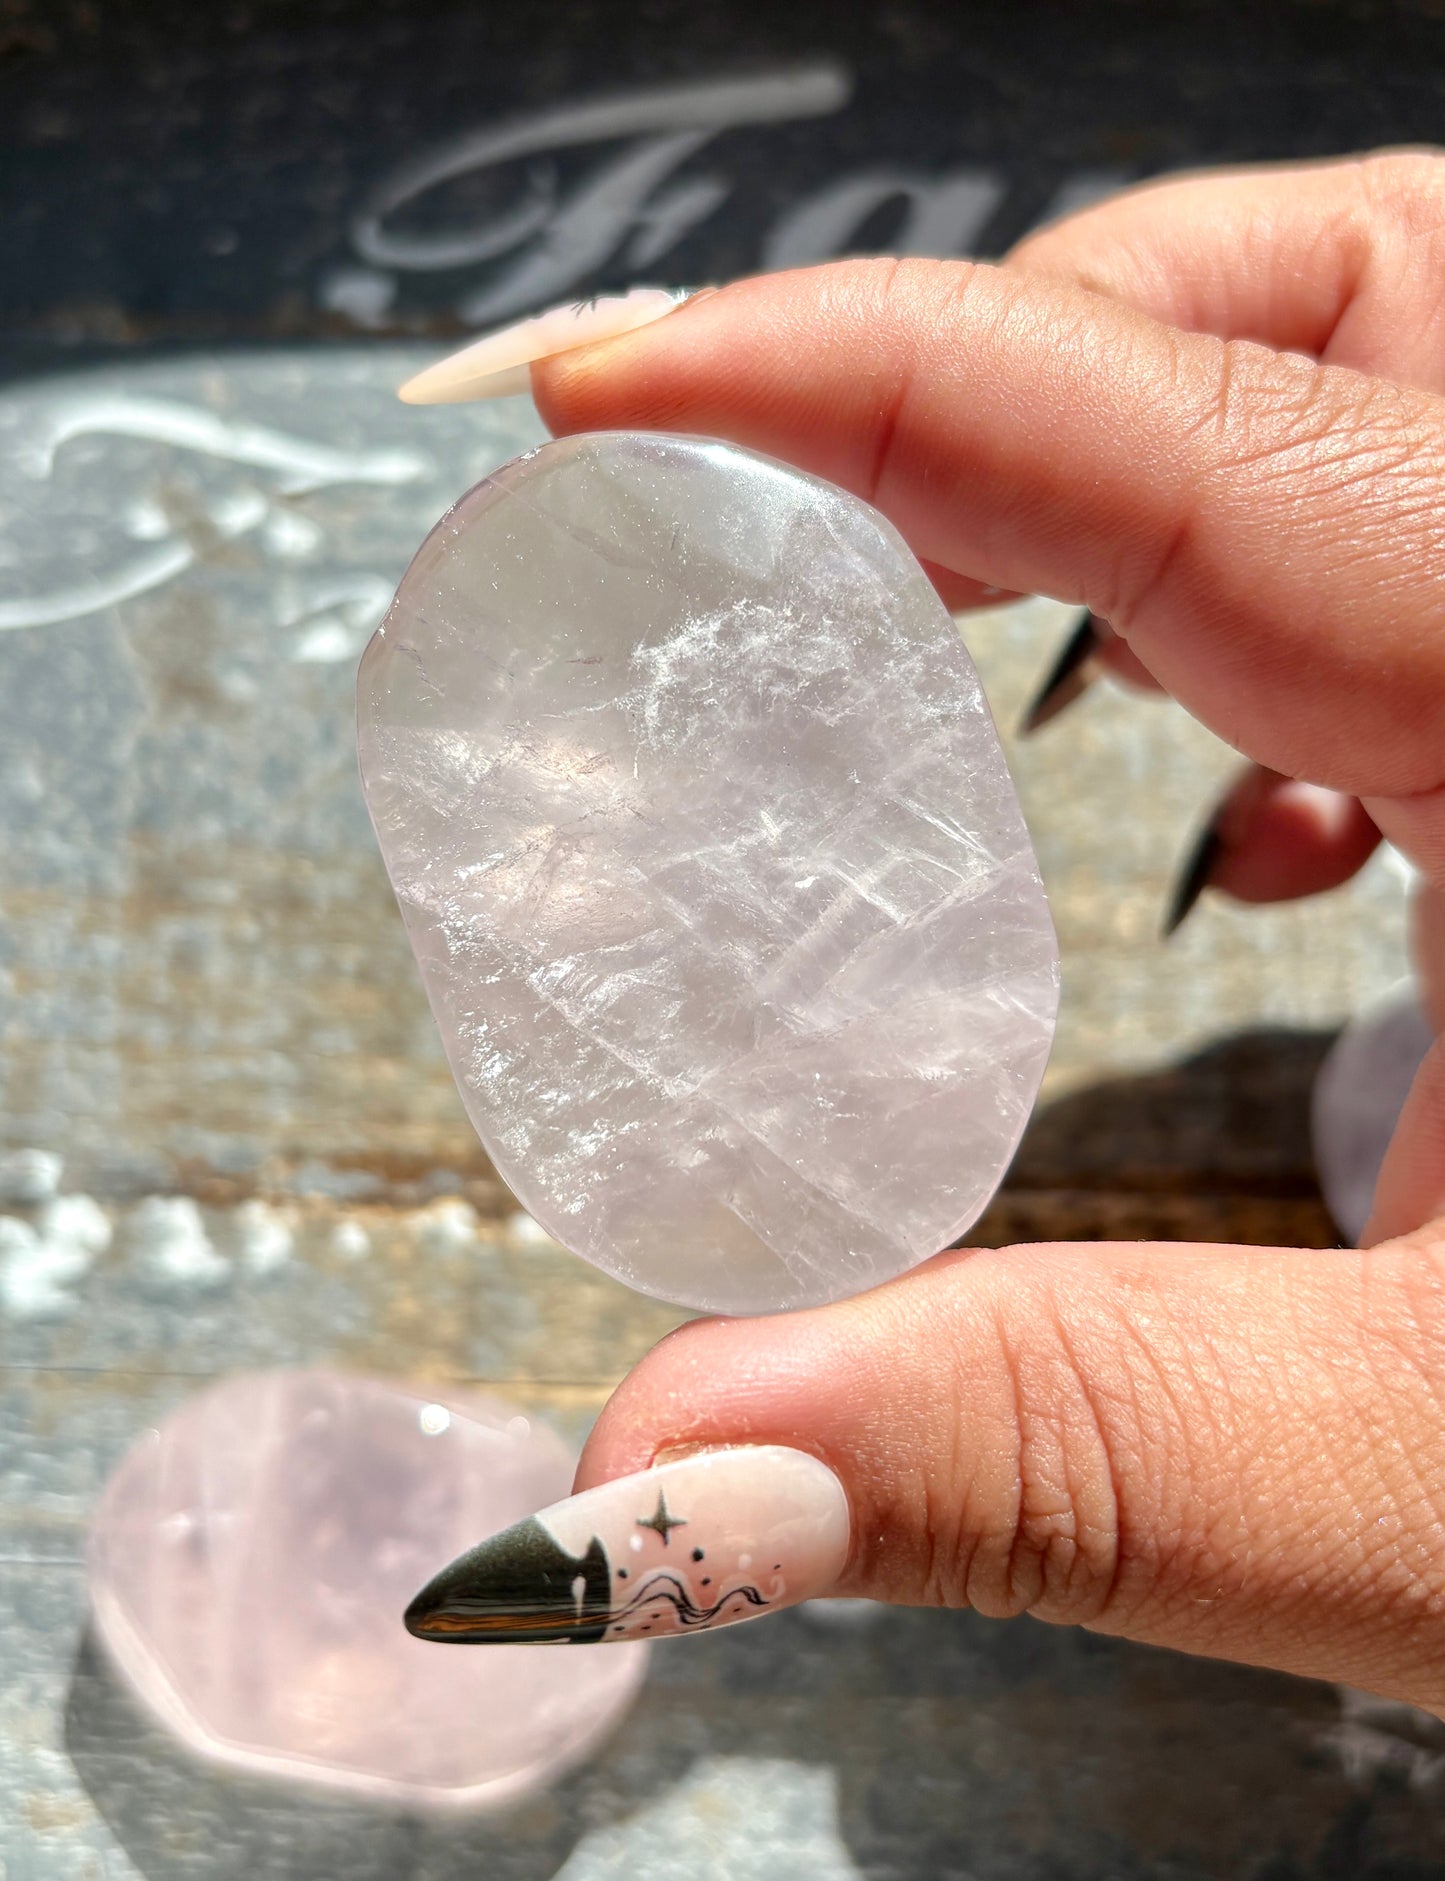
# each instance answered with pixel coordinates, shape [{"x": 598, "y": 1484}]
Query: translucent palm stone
[
  {"x": 249, "y": 1562},
  {"x": 714, "y": 871}
]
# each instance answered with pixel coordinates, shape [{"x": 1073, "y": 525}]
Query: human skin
[{"x": 1213, "y": 411}]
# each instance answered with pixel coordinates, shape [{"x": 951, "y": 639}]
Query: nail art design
[
  {"x": 724, "y": 1536},
  {"x": 1071, "y": 674},
  {"x": 500, "y": 364},
  {"x": 1194, "y": 878}
]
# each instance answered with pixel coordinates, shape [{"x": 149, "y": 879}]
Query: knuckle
[
  {"x": 1404, "y": 188},
  {"x": 1052, "y": 1547},
  {"x": 1138, "y": 1471},
  {"x": 910, "y": 295},
  {"x": 1275, "y": 441}
]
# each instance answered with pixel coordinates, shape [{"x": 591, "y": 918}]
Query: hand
[{"x": 1214, "y": 413}]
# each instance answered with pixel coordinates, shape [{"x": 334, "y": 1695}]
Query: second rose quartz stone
[
  {"x": 250, "y": 1560},
  {"x": 713, "y": 868}
]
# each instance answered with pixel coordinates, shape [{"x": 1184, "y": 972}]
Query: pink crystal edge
[{"x": 164, "y": 1705}]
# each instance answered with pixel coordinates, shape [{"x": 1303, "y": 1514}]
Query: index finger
[{"x": 1264, "y": 531}]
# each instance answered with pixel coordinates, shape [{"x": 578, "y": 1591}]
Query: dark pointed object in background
[
  {"x": 1071, "y": 674},
  {"x": 1194, "y": 878}
]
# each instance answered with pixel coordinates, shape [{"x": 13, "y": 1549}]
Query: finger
[
  {"x": 1271, "y": 839},
  {"x": 1427, "y": 949},
  {"x": 1194, "y": 493},
  {"x": 960, "y": 594},
  {"x": 1236, "y": 1454},
  {"x": 1341, "y": 260},
  {"x": 1281, "y": 840}
]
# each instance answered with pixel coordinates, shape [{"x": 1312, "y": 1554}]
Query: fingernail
[
  {"x": 1194, "y": 878},
  {"x": 500, "y": 364},
  {"x": 1072, "y": 673},
  {"x": 722, "y": 1536}
]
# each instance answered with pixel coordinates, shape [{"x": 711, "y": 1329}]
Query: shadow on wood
[{"x": 1215, "y": 1148}]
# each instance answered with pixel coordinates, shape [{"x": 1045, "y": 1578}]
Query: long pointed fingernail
[
  {"x": 1194, "y": 877},
  {"x": 722, "y": 1536},
  {"x": 1072, "y": 673},
  {"x": 501, "y": 363}
]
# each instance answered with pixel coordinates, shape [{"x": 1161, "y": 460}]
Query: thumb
[{"x": 1232, "y": 1452}]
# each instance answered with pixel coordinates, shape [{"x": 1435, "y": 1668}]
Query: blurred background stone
[{"x": 249, "y": 1562}]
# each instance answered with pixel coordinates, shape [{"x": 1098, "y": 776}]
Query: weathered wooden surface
[{"x": 207, "y": 1006}]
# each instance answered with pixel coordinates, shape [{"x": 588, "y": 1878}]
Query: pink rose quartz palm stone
[
  {"x": 713, "y": 868},
  {"x": 250, "y": 1560}
]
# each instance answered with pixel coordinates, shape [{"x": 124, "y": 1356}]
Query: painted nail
[
  {"x": 1194, "y": 877},
  {"x": 723, "y": 1536},
  {"x": 501, "y": 363},
  {"x": 1071, "y": 674}
]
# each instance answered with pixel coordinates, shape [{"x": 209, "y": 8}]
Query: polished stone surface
[
  {"x": 251, "y": 1557},
  {"x": 713, "y": 867}
]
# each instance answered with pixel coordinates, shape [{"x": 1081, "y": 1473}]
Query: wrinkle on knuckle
[
  {"x": 941, "y": 312},
  {"x": 1181, "y": 1403},
  {"x": 896, "y": 287},
  {"x": 1254, "y": 408},
  {"x": 1053, "y": 1549},
  {"x": 1349, "y": 465},
  {"x": 1147, "y": 572},
  {"x": 1357, "y": 433},
  {"x": 950, "y": 1540}
]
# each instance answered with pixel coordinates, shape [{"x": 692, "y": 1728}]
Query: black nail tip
[
  {"x": 1194, "y": 878},
  {"x": 516, "y": 1586},
  {"x": 418, "y": 1614},
  {"x": 1068, "y": 677},
  {"x": 439, "y": 1611}
]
